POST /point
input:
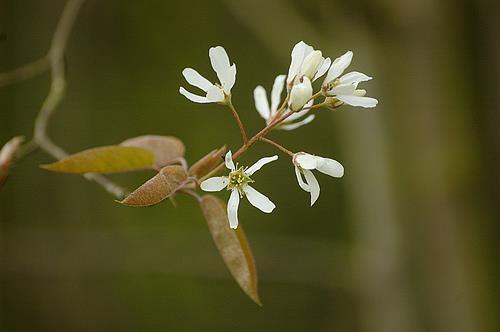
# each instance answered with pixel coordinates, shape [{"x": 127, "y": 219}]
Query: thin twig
[
  {"x": 56, "y": 93},
  {"x": 251, "y": 142},
  {"x": 25, "y": 72},
  {"x": 240, "y": 124},
  {"x": 277, "y": 145}
]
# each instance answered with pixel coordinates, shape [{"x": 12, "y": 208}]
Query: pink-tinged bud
[{"x": 8, "y": 155}]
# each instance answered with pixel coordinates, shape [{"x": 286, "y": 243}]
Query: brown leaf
[
  {"x": 159, "y": 187},
  {"x": 8, "y": 155},
  {"x": 232, "y": 244},
  {"x": 167, "y": 149},
  {"x": 207, "y": 163},
  {"x": 105, "y": 159}
]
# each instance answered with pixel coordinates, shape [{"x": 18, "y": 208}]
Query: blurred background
[{"x": 406, "y": 241}]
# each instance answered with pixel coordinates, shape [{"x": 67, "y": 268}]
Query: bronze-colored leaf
[
  {"x": 8, "y": 155},
  {"x": 159, "y": 187},
  {"x": 105, "y": 159},
  {"x": 232, "y": 244},
  {"x": 207, "y": 163},
  {"x": 167, "y": 149}
]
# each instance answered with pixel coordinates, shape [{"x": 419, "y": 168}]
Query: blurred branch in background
[
  {"x": 55, "y": 61},
  {"x": 25, "y": 72}
]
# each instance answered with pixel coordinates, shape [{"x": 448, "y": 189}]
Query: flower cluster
[{"x": 291, "y": 112}]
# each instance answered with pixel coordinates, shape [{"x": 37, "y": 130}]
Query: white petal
[
  {"x": 330, "y": 167},
  {"x": 299, "y": 52},
  {"x": 338, "y": 66},
  {"x": 258, "y": 200},
  {"x": 278, "y": 85},
  {"x": 215, "y": 94},
  {"x": 366, "y": 102},
  {"x": 230, "y": 80},
  {"x": 354, "y": 77},
  {"x": 323, "y": 68},
  {"x": 313, "y": 185},
  {"x": 306, "y": 160},
  {"x": 299, "y": 114},
  {"x": 220, "y": 63},
  {"x": 194, "y": 78},
  {"x": 296, "y": 125},
  {"x": 193, "y": 97},
  {"x": 345, "y": 90},
  {"x": 232, "y": 208},
  {"x": 258, "y": 165},
  {"x": 229, "y": 161},
  {"x": 301, "y": 182},
  {"x": 261, "y": 102},
  {"x": 216, "y": 183}
]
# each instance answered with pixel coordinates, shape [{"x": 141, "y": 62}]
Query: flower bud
[
  {"x": 359, "y": 93},
  {"x": 300, "y": 94},
  {"x": 310, "y": 64}
]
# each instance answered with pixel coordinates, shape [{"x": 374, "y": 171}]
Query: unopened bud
[
  {"x": 310, "y": 64},
  {"x": 359, "y": 93},
  {"x": 300, "y": 94}
]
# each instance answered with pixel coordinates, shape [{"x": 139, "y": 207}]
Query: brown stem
[
  {"x": 251, "y": 142},
  {"x": 240, "y": 124},
  {"x": 277, "y": 145}
]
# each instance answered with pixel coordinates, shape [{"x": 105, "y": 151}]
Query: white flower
[
  {"x": 301, "y": 93},
  {"x": 345, "y": 87},
  {"x": 215, "y": 93},
  {"x": 268, "y": 112},
  {"x": 238, "y": 183},
  {"x": 306, "y": 62},
  {"x": 305, "y": 162}
]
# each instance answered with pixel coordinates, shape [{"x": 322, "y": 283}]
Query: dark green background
[{"x": 406, "y": 241}]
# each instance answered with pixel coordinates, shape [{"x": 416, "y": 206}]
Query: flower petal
[
  {"x": 258, "y": 200},
  {"x": 313, "y": 185},
  {"x": 216, "y": 183},
  {"x": 330, "y": 167},
  {"x": 232, "y": 208},
  {"x": 261, "y": 102},
  {"x": 299, "y": 114},
  {"x": 229, "y": 161},
  {"x": 354, "y": 77},
  {"x": 345, "y": 90},
  {"x": 220, "y": 63},
  {"x": 230, "y": 80},
  {"x": 338, "y": 66},
  {"x": 278, "y": 85},
  {"x": 193, "y": 97},
  {"x": 306, "y": 160},
  {"x": 258, "y": 165},
  {"x": 366, "y": 102},
  {"x": 301, "y": 182},
  {"x": 296, "y": 125},
  {"x": 215, "y": 94},
  {"x": 299, "y": 52},
  {"x": 322, "y": 68},
  {"x": 194, "y": 78}
]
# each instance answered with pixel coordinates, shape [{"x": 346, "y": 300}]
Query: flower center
[{"x": 238, "y": 179}]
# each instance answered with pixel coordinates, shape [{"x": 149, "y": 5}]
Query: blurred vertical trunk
[{"x": 438, "y": 161}]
